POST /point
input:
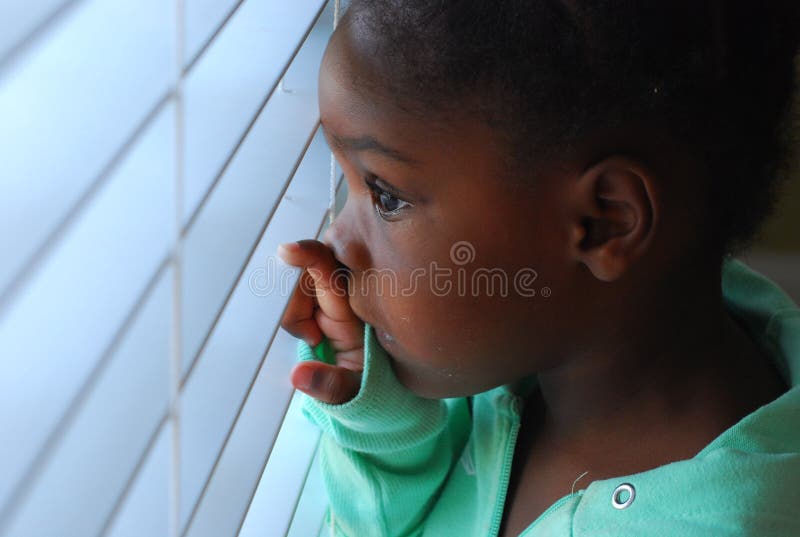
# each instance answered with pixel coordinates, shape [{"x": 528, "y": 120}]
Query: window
[{"x": 153, "y": 155}]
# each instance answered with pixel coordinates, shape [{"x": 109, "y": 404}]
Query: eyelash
[{"x": 378, "y": 194}]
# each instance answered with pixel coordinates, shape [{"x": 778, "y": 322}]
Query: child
[{"x": 544, "y": 332}]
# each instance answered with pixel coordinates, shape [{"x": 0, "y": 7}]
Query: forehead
[{"x": 356, "y": 100}]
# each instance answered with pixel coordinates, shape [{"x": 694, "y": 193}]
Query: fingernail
[{"x": 287, "y": 248}]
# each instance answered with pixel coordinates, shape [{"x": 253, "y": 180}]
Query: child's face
[{"x": 446, "y": 340}]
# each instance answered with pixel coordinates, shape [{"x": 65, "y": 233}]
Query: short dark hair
[{"x": 718, "y": 75}]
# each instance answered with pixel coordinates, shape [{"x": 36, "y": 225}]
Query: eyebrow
[{"x": 368, "y": 143}]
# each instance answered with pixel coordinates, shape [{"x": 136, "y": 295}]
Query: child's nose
[{"x": 347, "y": 248}]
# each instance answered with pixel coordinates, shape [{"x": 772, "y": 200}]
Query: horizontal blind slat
[
  {"x": 310, "y": 512},
  {"x": 236, "y": 475},
  {"x": 229, "y": 223},
  {"x": 100, "y": 450},
  {"x": 85, "y": 395},
  {"x": 20, "y": 21},
  {"x": 230, "y": 488},
  {"x": 144, "y": 511},
  {"x": 289, "y": 463},
  {"x": 226, "y": 88},
  {"x": 71, "y": 309},
  {"x": 113, "y": 63},
  {"x": 202, "y": 20},
  {"x": 217, "y": 384}
]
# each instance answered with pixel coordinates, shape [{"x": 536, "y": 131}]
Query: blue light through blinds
[{"x": 150, "y": 163}]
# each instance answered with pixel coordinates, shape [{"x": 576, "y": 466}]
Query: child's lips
[{"x": 365, "y": 315}]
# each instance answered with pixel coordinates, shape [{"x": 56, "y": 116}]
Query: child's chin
[
  {"x": 423, "y": 385},
  {"x": 420, "y": 381},
  {"x": 411, "y": 380}
]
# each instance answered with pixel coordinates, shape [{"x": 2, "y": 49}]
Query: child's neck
[{"x": 688, "y": 373}]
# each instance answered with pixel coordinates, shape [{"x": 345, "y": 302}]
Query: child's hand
[{"x": 319, "y": 306}]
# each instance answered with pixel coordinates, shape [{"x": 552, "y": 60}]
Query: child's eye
[{"x": 387, "y": 205}]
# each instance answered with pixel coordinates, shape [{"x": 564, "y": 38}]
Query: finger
[
  {"x": 326, "y": 383},
  {"x": 352, "y": 359},
  {"x": 328, "y": 276},
  {"x": 298, "y": 319},
  {"x": 343, "y": 335}
]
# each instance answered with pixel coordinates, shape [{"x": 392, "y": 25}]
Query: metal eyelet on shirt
[{"x": 615, "y": 497}]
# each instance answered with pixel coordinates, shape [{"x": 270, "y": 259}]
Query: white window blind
[{"x": 153, "y": 154}]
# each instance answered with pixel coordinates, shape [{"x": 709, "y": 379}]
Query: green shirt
[{"x": 395, "y": 464}]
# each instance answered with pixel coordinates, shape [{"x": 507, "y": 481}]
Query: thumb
[{"x": 327, "y": 383}]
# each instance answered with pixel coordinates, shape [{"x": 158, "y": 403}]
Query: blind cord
[
  {"x": 331, "y": 209},
  {"x": 332, "y": 199},
  {"x": 176, "y": 328}
]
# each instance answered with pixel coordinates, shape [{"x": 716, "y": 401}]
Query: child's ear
[{"x": 615, "y": 209}]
